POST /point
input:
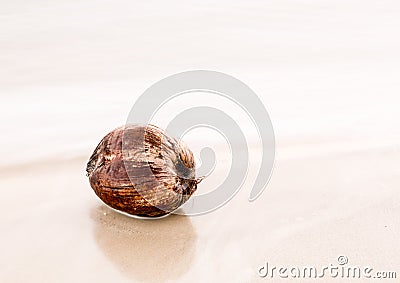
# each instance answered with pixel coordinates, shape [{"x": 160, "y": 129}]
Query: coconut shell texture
[{"x": 141, "y": 171}]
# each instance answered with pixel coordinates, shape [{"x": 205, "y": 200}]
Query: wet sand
[
  {"x": 327, "y": 72},
  {"x": 315, "y": 209}
]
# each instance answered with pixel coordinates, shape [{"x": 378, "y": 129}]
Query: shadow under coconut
[{"x": 145, "y": 250}]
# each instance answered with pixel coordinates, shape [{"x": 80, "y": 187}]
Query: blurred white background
[{"x": 71, "y": 70}]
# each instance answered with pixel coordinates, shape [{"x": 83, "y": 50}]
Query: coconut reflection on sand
[{"x": 145, "y": 250}]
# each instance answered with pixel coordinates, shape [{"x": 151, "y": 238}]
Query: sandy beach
[
  {"x": 327, "y": 73},
  {"x": 315, "y": 209}
]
